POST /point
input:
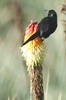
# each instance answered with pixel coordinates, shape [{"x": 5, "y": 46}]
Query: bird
[{"x": 46, "y": 27}]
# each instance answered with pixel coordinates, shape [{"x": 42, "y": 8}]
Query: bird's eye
[{"x": 51, "y": 15}]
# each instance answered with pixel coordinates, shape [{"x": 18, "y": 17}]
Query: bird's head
[{"x": 52, "y": 13}]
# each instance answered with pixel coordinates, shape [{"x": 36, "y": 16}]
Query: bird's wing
[
  {"x": 31, "y": 38},
  {"x": 43, "y": 26}
]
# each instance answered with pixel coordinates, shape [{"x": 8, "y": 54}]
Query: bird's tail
[{"x": 31, "y": 38}]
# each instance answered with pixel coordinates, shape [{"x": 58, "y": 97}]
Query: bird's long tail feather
[{"x": 31, "y": 38}]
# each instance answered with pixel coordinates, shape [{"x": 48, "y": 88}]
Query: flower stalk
[
  {"x": 36, "y": 79},
  {"x": 63, "y": 20}
]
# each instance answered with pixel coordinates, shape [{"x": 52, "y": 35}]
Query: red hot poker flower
[{"x": 34, "y": 50}]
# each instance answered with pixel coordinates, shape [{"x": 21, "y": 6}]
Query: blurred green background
[{"x": 14, "y": 79}]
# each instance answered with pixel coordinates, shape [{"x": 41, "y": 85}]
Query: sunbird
[{"x": 46, "y": 27}]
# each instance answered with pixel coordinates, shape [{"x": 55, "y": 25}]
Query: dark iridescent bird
[{"x": 46, "y": 27}]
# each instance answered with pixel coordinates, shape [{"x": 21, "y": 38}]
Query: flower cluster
[{"x": 34, "y": 50}]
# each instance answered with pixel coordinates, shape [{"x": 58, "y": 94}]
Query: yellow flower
[{"x": 34, "y": 50}]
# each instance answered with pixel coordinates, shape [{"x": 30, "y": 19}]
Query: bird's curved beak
[{"x": 45, "y": 10}]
